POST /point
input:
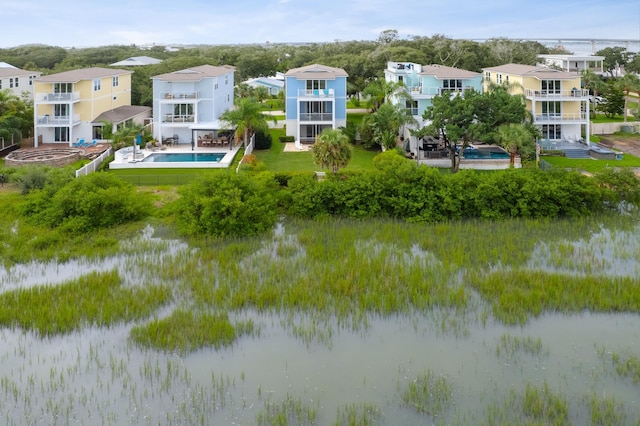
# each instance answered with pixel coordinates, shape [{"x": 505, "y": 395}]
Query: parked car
[{"x": 596, "y": 99}]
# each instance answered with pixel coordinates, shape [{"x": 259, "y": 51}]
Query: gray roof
[
  {"x": 74, "y": 76},
  {"x": 442, "y": 71},
  {"x": 122, "y": 113},
  {"x": 195, "y": 73},
  {"x": 7, "y": 65},
  {"x": 316, "y": 71},
  {"x": 136, "y": 61},
  {"x": 267, "y": 81},
  {"x": 17, "y": 72},
  {"x": 531, "y": 71}
]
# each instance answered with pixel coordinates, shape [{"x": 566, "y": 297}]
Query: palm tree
[
  {"x": 628, "y": 83},
  {"x": 381, "y": 90},
  {"x": 592, "y": 82},
  {"x": 332, "y": 150},
  {"x": 386, "y": 122},
  {"x": 247, "y": 118},
  {"x": 515, "y": 138}
]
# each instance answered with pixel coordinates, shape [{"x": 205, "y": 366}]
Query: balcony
[
  {"x": 573, "y": 94},
  {"x": 172, "y": 118},
  {"x": 560, "y": 118},
  {"x": 316, "y": 116},
  {"x": 58, "y": 120},
  {"x": 316, "y": 93},
  {"x": 57, "y": 97},
  {"x": 171, "y": 96}
]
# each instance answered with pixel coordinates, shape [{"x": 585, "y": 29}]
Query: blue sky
[{"x": 80, "y": 23}]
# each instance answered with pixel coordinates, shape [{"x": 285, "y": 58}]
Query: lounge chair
[
  {"x": 79, "y": 143},
  {"x": 92, "y": 143}
]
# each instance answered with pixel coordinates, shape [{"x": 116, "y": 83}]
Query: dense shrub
[
  {"x": 98, "y": 200},
  {"x": 263, "y": 140},
  {"x": 285, "y": 139},
  {"x": 30, "y": 178},
  {"x": 226, "y": 204}
]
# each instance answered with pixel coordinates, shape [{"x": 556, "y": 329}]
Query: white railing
[
  {"x": 170, "y": 118},
  {"x": 248, "y": 149},
  {"x": 316, "y": 116},
  {"x": 58, "y": 97},
  {"x": 578, "y": 116},
  {"x": 93, "y": 166},
  {"x": 58, "y": 119},
  {"x": 179, "y": 95},
  {"x": 573, "y": 93},
  {"x": 316, "y": 93}
]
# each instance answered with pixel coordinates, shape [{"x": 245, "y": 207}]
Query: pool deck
[{"x": 125, "y": 158}]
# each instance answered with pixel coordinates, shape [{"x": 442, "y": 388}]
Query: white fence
[
  {"x": 93, "y": 166},
  {"x": 248, "y": 149}
]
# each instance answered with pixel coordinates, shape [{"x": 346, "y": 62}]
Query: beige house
[
  {"x": 555, "y": 99},
  {"x": 67, "y": 104}
]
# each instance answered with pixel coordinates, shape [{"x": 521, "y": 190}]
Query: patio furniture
[{"x": 79, "y": 143}]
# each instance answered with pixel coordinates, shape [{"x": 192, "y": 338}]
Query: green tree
[
  {"x": 614, "y": 103},
  {"x": 381, "y": 90},
  {"x": 628, "y": 83},
  {"x": 332, "y": 150},
  {"x": 384, "y": 124},
  {"x": 247, "y": 118},
  {"x": 613, "y": 57},
  {"x": 593, "y": 82},
  {"x": 517, "y": 139}
]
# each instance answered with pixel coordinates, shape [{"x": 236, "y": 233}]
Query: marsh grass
[
  {"x": 607, "y": 411},
  {"x": 429, "y": 394},
  {"x": 517, "y": 295},
  {"x": 510, "y": 346},
  {"x": 364, "y": 414},
  {"x": 186, "y": 331},
  {"x": 95, "y": 299},
  {"x": 627, "y": 366},
  {"x": 290, "y": 411},
  {"x": 536, "y": 406}
]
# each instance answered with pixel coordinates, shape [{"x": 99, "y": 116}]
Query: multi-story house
[
  {"x": 189, "y": 102},
  {"x": 422, "y": 83},
  {"x": 555, "y": 99},
  {"x": 573, "y": 63},
  {"x": 316, "y": 99},
  {"x": 17, "y": 81},
  {"x": 66, "y": 104}
]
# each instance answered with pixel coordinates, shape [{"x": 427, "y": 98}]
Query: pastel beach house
[
  {"x": 66, "y": 104},
  {"x": 187, "y": 104},
  {"x": 555, "y": 99},
  {"x": 316, "y": 99},
  {"x": 423, "y": 82}
]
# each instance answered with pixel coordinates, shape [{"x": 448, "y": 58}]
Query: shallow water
[{"x": 97, "y": 376}]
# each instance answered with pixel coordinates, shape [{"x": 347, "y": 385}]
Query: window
[
  {"x": 11, "y": 82},
  {"x": 61, "y": 110},
  {"x": 316, "y": 84},
  {"x": 114, "y": 81},
  {"x": 183, "y": 110},
  {"x": 226, "y": 79},
  {"x": 499, "y": 78},
  {"x": 61, "y": 134},
  {"x": 551, "y": 131},
  {"x": 31, "y": 77},
  {"x": 551, "y": 109},
  {"x": 96, "y": 85},
  {"x": 17, "y": 79},
  {"x": 452, "y": 85},
  {"x": 0, "y": 83},
  {"x": 412, "y": 106},
  {"x": 550, "y": 86},
  {"x": 487, "y": 75},
  {"x": 62, "y": 87}
]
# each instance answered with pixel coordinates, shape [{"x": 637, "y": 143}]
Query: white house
[{"x": 17, "y": 81}]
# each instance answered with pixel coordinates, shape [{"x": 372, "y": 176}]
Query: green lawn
[
  {"x": 591, "y": 165},
  {"x": 276, "y": 160}
]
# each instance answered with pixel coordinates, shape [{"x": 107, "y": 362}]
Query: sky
[{"x": 82, "y": 23}]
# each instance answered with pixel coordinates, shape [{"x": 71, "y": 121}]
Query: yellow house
[
  {"x": 66, "y": 104},
  {"x": 557, "y": 102}
]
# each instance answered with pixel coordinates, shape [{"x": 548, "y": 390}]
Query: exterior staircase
[{"x": 576, "y": 153}]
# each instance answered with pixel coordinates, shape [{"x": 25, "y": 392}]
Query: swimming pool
[
  {"x": 485, "y": 154},
  {"x": 183, "y": 157}
]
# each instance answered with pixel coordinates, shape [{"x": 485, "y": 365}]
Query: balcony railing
[
  {"x": 316, "y": 93},
  {"x": 57, "y": 120},
  {"x": 58, "y": 97},
  {"x": 555, "y": 118},
  {"x": 171, "y": 118},
  {"x": 179, "y": 95},
  {"x": 316, "y": 116},
  {"x": 573, "y": 93}
]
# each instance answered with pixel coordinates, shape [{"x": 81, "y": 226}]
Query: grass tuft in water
[
  {"x": 185, "y": 331},
  {"x": 429, "y": 394},
  {"x": 607, "y": 411},
  {"x": 290, "y": 411},
  {"x": 97, "y": 299},
  {"x": 365, "y": 414}
]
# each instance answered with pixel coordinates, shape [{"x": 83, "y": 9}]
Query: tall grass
[
  {"x": 429, "y": 394},
  {"x": 95, "y": 299}
]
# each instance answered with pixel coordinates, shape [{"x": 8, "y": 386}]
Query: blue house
[
  {"x": 316, "y": 99},
  {"x": 424, "y": 82}
]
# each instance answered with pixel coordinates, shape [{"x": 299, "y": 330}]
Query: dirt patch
[{"x": 629, "y": 144}]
